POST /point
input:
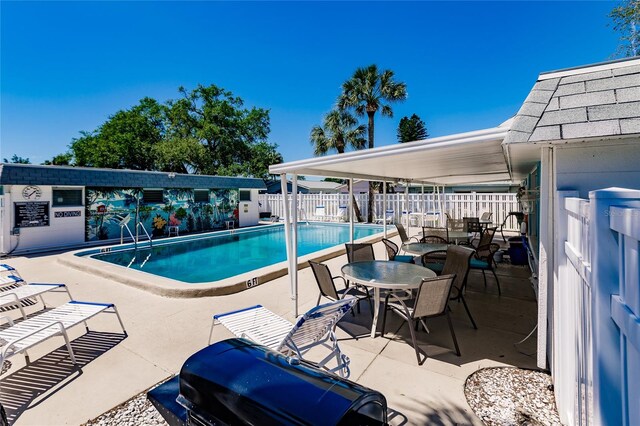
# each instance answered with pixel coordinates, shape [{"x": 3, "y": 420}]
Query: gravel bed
[
  {"x": 136, "y": 411},
  {"x": 512, "y": 396}
]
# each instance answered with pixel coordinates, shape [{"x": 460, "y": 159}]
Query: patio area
[{"x": 163, "y": 332}]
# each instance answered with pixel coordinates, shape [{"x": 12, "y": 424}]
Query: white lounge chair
[
  {"x": 387, "y": 218},
  {"x": 9, "y": 276},
  {"x": 30, "y": 332},
  {"x": 341, "y": 215},
  {"x": 315, "y": 328},
  {"x": 320, "y": 213},
  {"x": 14, "y": 289},
  {"x": 15, "y": 296}
]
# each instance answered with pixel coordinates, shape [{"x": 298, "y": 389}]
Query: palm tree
[
  {"x": 367, "y": 92},
  {"x": 339, "y": 131}
]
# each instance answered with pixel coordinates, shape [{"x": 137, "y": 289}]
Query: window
[
  {"x": 201, "y": 196},
  {"x": 155, "y": 196},
  {"x": 245, "y": 195},
  {"x": 67, "y": 197}
]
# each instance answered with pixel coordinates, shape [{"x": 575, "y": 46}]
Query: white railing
[
  {"x": 596, "y": 323},
  {"x": 456, "y": 205}
]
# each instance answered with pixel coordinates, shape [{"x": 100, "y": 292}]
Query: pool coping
[{"x": 168, "y": 287}]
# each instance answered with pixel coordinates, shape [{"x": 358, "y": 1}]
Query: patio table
[
  {"x": 385, "y": 274},
  {"x": 423, "y": 248},
  {"x": 457, "y": 236}
]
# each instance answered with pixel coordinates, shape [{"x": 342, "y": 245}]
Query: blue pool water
[{"x": 215, "y": 257}]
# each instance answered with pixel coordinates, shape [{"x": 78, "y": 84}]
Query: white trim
[{"x": 589, "y": 69}]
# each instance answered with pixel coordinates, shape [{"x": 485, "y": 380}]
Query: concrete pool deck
[{"x": 164, "y": 331}]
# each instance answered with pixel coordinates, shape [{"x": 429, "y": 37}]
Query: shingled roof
[
  {"x": 28, "y": 174},
  {"x": 601, "y": 100}
]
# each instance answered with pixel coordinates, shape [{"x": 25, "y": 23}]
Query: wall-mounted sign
[
  {"x": 72, "y": 213},
  {"x": 31, "y": 214}
]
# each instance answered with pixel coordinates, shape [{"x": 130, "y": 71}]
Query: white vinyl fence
[
  {"x": 596, "y": 323},
  {"x": 456, "y": 205}
]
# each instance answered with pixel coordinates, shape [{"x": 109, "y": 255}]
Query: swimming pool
[{"x": 222, "y": 255}]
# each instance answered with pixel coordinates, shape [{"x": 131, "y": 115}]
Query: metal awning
[{"x": 464, "y": 158}]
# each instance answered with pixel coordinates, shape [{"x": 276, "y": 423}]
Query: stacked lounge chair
[{"x": 19, "y": 337}]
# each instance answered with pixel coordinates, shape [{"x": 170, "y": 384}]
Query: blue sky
[{"x": 65, "y": 67}]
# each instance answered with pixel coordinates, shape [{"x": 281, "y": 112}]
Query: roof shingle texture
[
  {"x": 20, "y": 174},
  {"x": 584, "y": 105}
]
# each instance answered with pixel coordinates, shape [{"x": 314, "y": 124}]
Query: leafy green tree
[
  {"x": 339, "y": 131},
  {"x": 125, "y": 141},
  {"x": 60, "y": 160},
  {"x": 626, "y": 20},
  {"x": 411, "y": 129},
  {"x": 18, "y": 160},
  {"x": 217, "y": 120},
  {"x": 262, "y": 155},
  {"x": 180, "y": 155},
  {"x": 335, "y": 180},
  {"x": 368, "y": 91},
  {"x": 206, "y": 130}
]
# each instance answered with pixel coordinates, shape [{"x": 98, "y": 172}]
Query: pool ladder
[{"x": 123, "y": 221}]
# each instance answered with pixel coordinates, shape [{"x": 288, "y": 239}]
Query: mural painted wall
[{"x": 105, "y": 208}]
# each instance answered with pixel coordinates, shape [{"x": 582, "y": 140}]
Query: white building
[{"x": 55, "y": 207}]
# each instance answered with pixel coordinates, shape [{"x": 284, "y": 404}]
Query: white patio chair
[
  {"x": 30, "y": 332},
  {"x": 314, "y": 328}
]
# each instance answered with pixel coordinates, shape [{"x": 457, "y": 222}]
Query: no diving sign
[{"x": 72, "y": 213}]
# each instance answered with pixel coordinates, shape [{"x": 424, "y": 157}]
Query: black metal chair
[
  {"x": 434, "y": 239},
  {"x": 519, "y": 218},
  {"x": 432, "y": 231},
  {"x": 435, "y": 260},
  {"x": 431, "y": 301},
  {"x": 393, "y": 250},
  {"x": 483, "y": 260},
  {"x": 472, "y": 225}
]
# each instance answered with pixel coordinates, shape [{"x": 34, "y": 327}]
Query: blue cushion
[
  {"x": 478, "y": 264},
  {"x": 405, "y": 259},
  {"x": 435, "y": 267}
]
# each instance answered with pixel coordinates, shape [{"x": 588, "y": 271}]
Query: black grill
[{"x": 237, "y": 382}]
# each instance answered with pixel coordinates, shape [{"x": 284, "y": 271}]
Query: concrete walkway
[{"x": 163, "y": 332}]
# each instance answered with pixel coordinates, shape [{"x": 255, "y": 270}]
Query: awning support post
[
  {"x": 294, "y": 244},
  {"x": 287, "y": 229},
  {"x": 351, "y": 210},
  {"x": 406, "y": 203},
  {"x": 424, "y": 204},
  {"x": 384, "y": 207}
]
